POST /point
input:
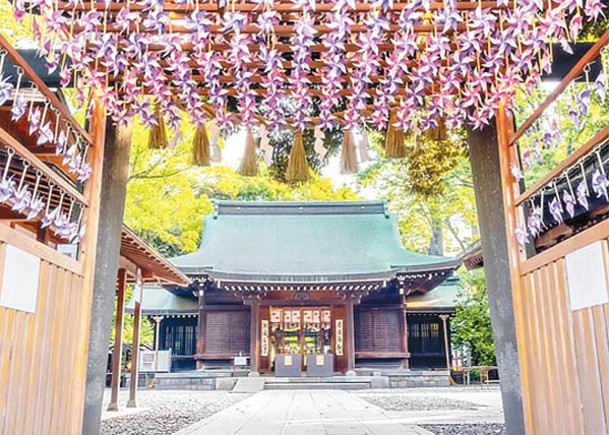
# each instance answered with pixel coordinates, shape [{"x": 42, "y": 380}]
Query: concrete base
[{"x": 361, "y": 379}]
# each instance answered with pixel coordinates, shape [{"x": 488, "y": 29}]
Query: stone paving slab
[{"x": 323, "y": 412}]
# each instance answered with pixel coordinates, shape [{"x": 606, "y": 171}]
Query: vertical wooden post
[
  {"x": 489, "y": 157},
  {"x": 201, "y": 329},
  {"x": 135, "y": 348},
  {"x": 254, "y": 336},
  {"x": 404, "y": 332},
  {"x": 444, "y": 318},
  {"x": 350, "y": 332},
  {"x": 91, "y": 412},
  {"x": 117, "y": 352}
]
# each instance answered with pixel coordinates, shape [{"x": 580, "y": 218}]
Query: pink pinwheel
[
  {"x": 35, "y": 206},
  {"x": 45, "y": 134},
  {"x": 582, "y": 194},
  {"x": 84, "y": 172},
  {"x": 583, "y": 101},
  {"x": 35, "y": 119},
  {"x": 70, "y": 154},
  {"x": 569, "y": 202},
  {"x": 526, "y": 160},
  {"x": 535, "y": 222},
  {"x": 233, "y": 21},
  {"x": 600, "y": 184},
  {"x": 594, "y": 8},
  {"x": 575, "y": 26},
  {"x": 6, "y": 89},
  {"x": 556, "y": 210},
  {"x": 21, "y": 199},
  {"x": 600, "y": 86},
  {"x": 78, "y": 235},
  {"x": 60, "y": 223},
  {"x": 7, "y": 188},
  {"x": 126, "y": 19},
  {"x": 522, "y": 235},
  {"x": 49, "y": 217},
  {"x": 574, "y": 115},
  {"x": 19, "y": 108}
]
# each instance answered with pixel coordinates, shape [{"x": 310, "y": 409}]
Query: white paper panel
[
  {"x": 20, "y": 280},
  {"x": 586, "y": 277}
]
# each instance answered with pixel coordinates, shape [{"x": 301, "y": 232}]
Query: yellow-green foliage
[{"x": 167, "y": 196}]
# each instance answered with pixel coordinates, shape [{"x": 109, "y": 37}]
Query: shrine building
[{"x": 284, "y": 282}]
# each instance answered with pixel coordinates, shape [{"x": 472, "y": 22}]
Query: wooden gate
[
  {"x": 45, "y": 294},
  {"x": 563, "y": 347}
]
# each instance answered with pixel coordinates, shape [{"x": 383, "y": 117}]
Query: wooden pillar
[
  {"x": 489, "y": 167},
  {"x": 254, "y": 337},
  {"x": 445, "y": 318},
  {"x": 114, "y": 175},
  {"x": 117, "y": 352},
  {"x": 350, "y": 332},
  {"x": 201, "y": 329},
  {"x": 138, "y": 294},
  {"x": 404, "y": 332}
]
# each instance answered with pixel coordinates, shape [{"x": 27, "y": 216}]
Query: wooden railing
[
  {"x": 51, "y": 177},
  {"x": 585, "y": 149}
]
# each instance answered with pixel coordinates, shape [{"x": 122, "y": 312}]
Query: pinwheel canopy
[{"x": 303, "y": 62}]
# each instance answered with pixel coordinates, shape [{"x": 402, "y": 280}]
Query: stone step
[
  {"x": 249, "y": 385},
  {"x": 318, "y": 386}
]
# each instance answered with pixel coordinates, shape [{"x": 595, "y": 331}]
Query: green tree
[
  {"x": 471, "y": 324},
  {"x": 430, "y": 191}
]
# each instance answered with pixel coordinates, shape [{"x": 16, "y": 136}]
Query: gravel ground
[
  {"x": 393, "y": 402},
  {"x": 168, "y": 411},
  {"x": 465, "y": 429}
]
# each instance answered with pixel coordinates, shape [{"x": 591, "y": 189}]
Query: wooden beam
[
  {"x": 138, "y": 294},
  {"x": 282, "y": 30},
  {"x": 22, "y": 151},
  {"x": 117, "y": 352},
  {"x": 317, "y": 7},
  {"x": 568, "y": 162},
  {"x": 43, "y": 89}
]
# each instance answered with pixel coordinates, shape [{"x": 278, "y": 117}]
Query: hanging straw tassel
[
  {"x": 298, "y": 167},
  {"x": 438, "y": 133},
  {"x": 249, "y": 163},
  {"x": 201, "y": 153},
  {"x": 157, "y": 139},
  {"x": 214, "y": 134},
  {"x": 364, "y": 144},
  {"x": 348, "y": 158},
  {"x": 394, "y": 140}
]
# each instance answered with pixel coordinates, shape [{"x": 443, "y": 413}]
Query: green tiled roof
[
  {"x": 158, "y": 301},
  {"x": 304, "y": 241}
]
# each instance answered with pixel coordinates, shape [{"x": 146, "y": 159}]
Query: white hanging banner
[
  {"x": 20, "y": 280},
  {"x": 586, "y": 277}
]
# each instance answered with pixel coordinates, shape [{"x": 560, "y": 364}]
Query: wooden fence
[
  {"x": 43, "y": 347},
  {"x": 563, "y": 349},
  {"x": 43, "y": 354}
]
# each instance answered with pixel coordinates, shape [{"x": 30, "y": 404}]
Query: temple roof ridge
[{"x": 230, "y": 207}]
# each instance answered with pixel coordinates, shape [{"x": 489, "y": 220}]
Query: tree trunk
[{"x": 436, "y": 242}]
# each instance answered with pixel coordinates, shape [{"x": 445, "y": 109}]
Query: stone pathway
[{"x": 302, "y": 413}]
